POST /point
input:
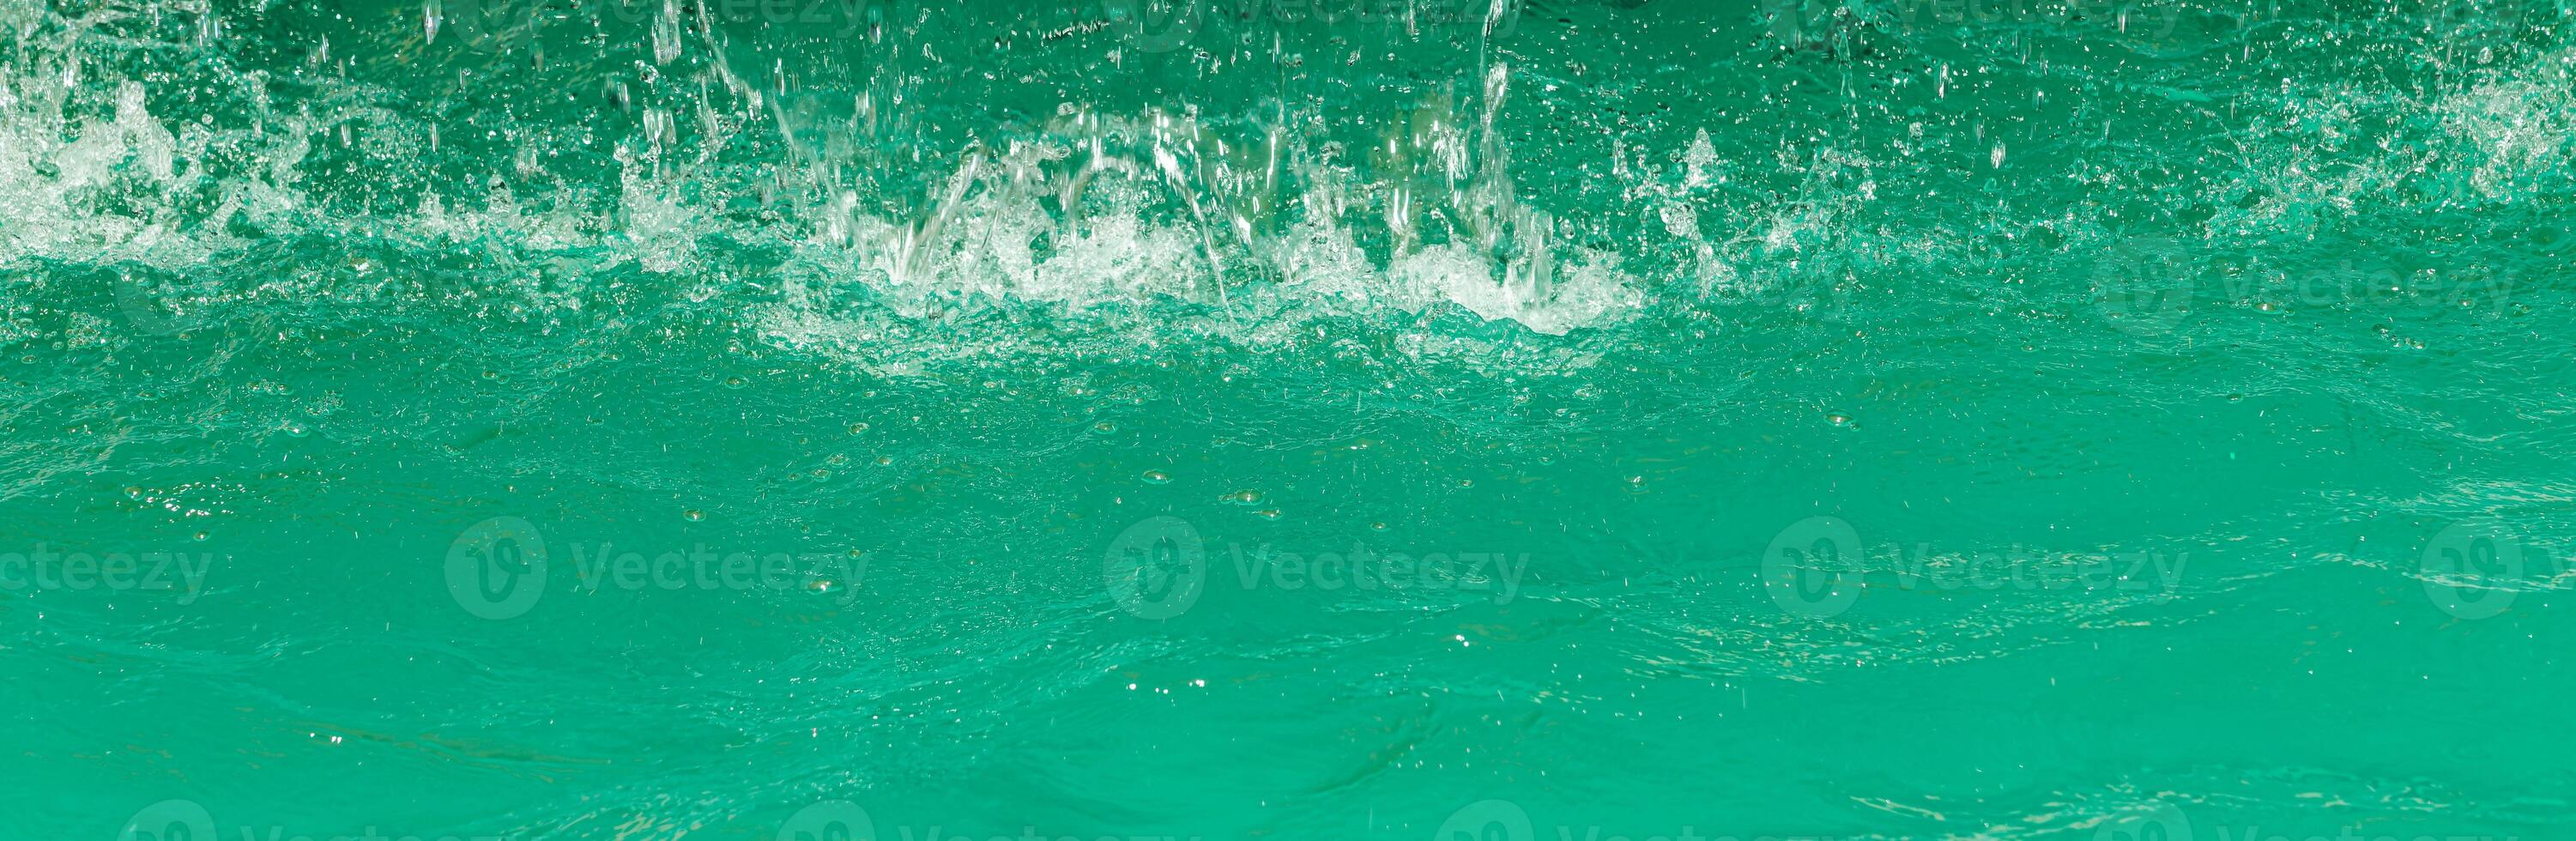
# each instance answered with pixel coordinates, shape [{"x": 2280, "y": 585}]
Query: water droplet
[
  {"x": 693, "y": 515},
  {"x": 133, "y": 493},
  {"x": 1157, "y": 477},
  {"x": 858, "y": 428},
  {"x": 1267, "y": 513}
]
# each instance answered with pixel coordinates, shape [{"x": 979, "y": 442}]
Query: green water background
[{"x": 2275, "y": 298}]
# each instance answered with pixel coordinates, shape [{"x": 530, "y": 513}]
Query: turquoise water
[{"x": 1562, "y": 419}]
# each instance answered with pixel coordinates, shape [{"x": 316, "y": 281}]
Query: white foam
[{"x": 1160, "y": 210}]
